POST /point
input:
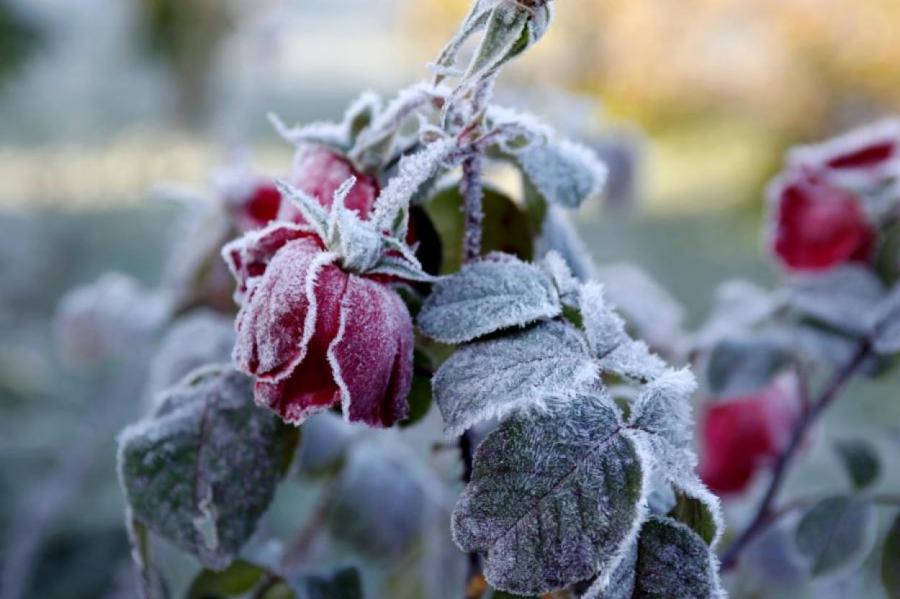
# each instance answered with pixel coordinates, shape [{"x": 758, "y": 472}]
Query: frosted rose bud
[
  {"x": 819, "y": 225},
  {"x": 864, "y": 151},
  {"x": 744, "y": 434},
  {"x": 319, "y": 171},
  {"x": 315, "y": 335}
]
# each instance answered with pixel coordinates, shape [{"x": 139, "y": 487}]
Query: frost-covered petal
[
  {"x": 319, "y": 171},
  {"x": 278, "y": 318},
  {"x": 248, "y": 256},
  {"x": 371, "y": 356}
]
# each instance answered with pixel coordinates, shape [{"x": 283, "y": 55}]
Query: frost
[
  {"x": 568, "y": 287},
  {"x": 843, "y": 298},
  {"x": 554, "y": 497},
  {"x": 339, "y": 136},
  {"x": 664, "y": 407},
  {"x": 490, "y": 378},
  {"x": 564, "y": 172},
  {"x": 604, "y": 328},
  {"x": 673, "y": 561},
  {"x": 207, "y": 456},
  {"x": 485, "y": 297},
  {"x": 202, "y": 337}
]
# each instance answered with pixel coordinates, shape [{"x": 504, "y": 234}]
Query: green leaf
[
  {"x": 673, "y": 561},
  {"x": 860, "y": 460},
  {"x": 554, "y": 497},
  {"x": 345, "y": 583},
  {"x": 744, "y": 365},
  {"x": 843, "y": 298},
  {"x": 497, "y": 293},
  {"x": 562, "y": 171},
  {"x": 836, "y": 535},
  {"x": 890, "y": 561},
  {"x": 492, "y": 377},
  {"x": 696, "y": 515},
  {"x": 203, "y": 468},
  {"x": 239, "y": 578},
  {"x": 506, "y": 227}
]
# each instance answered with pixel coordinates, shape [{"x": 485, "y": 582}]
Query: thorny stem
[{"x": 764, "y": 513}]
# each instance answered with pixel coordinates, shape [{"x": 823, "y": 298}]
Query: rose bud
[
  {"x": 319, "y": 324},
  {"x": 819, "y": 225},
  {"x": 865, "y": 151},
  {"x": 319, "y": 171},
  {"x": 741, "y": 435},
  {"x": 252, "y": 201}
]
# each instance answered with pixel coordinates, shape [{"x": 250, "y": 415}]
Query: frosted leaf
[
  {"x": 376, "y": 141},
  {"x": 663, "y": 407},
  {"x": 504, "y": 31},
  {"x": 559, "y": 235},
  {"x": 315, "y": 214},
  {"x": 562, "y": 171},
  {"x": 203, "y": 468},
  {"x": 490, "y": 378},
  {"x": 673, "y": 562},
  {"x": 745, "y": 364},
  {"x": 737, "y": 307},
  {"x": 414, "y": 171},
  {"x": 487, "y": 296},
  {"x": 604, "y": 328},
  {"x": 201, "y": 337},
  {"x": 108, "y": 318},
  {"x": 651, "y": 312},
  {"x": 333, "y": 135},
  {"x": 621, "y": 583},
  {"x": 633, "y": 360},
  {"x": 474, "y": 22},
  {"x": 380, "y": 503},
  {"x": 406, "y": 270},
  {"x": 887, "y": 337},
  {"x": 324, "y": 443},
  {"x": 836, "y": 535},
  {"x": 843, "y": 298},
  {"x": 554, "y": 497},
  {"x": 567, "y": 285}
]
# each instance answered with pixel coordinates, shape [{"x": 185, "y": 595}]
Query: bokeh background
[{"x": 101, "y": 100}]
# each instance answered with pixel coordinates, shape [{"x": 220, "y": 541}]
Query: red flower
[
  {"x": 819, "y": 225},
  {"x": 865, "y": 151},
  {"x": 315, "y": 335},
  {"x": 253, "y": 201},
  {"x": 743, "y": 434},
  {"x": 319, "y": 172}
]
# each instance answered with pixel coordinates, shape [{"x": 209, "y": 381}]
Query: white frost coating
[
  {"x": 388, "y": 122},
  {"x": 525, "y": 370},
  {"x": 321, "y": 132},
  {"x": 663, "y": 407},
  {"x": 604, "y": 328},
  {"x": 487, "y": 296},
  {"x": 567, "y": 285},
  {"x": 414, "y": 171},
  {"x": 312, "y": 210}
]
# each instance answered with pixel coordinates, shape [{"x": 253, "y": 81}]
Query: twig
[{"x": 764, "y": 514}]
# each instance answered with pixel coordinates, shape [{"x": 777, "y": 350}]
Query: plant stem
[
  {"x": 764, "y": 513},
  {"x": 471, "y": 191}
]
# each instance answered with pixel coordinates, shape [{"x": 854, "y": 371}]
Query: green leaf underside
[
  {"x": 836, "y": 534},
  {"x": 204, "y": 468},
  {"x": 553, "y": 497},
  {"x": 673, "y": 562}
]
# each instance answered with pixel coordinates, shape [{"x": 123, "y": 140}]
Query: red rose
[
  {"x": 319, "y": 172},
  {"x": 743, "y": 434},
  {"x": 315, "y": 335},
  {"x": 252, "y": 201},
  {"x": 819, "y": 225},
  {"x": 866, "y": 150}
]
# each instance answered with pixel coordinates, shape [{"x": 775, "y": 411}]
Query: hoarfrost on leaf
[
  {"x": 564, "y": 172},
  {"x": 673, "y": 562},
  {"x": 203, "y": 468},
  {"x": 555, "y": 497},
  {"x": 487, "y": 296},
  {"x": 844, "y": 298},
  {"x": 493, "y": 377}
]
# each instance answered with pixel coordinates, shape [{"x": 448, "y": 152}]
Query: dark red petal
[
  {"x": 278, "y": 317},
  {"x": 868, "y": 156},
  {"x": 248, "y": 256},
  {"x": 319, "y": 171},
  {"x": 261, "y": 206},
  {"x": 309, "y": 389},
  {"x": 820, "y": 226},
  {"x": 372, "y": 355}
]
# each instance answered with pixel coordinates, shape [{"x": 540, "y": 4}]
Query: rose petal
[
  {"x": 371, "y": 357},
  {"x": 866, "y": 149},
  {"x": 248, "y": 256},
  {"x": 278, "y": 318},
  {"x": 260, "y": 207},
  {"x": 319, "y": 172},
  {"x": 820, "y": 226}
]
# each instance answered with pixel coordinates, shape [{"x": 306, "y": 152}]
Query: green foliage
[
  {"x": 836, "y": 535},
  {"x": 860, "y": 460}
]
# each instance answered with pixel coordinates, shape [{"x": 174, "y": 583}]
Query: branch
[{"x": 764, "y": 514}]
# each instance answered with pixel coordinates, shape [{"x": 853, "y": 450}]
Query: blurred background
[{"x": 101, "y": 100}]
